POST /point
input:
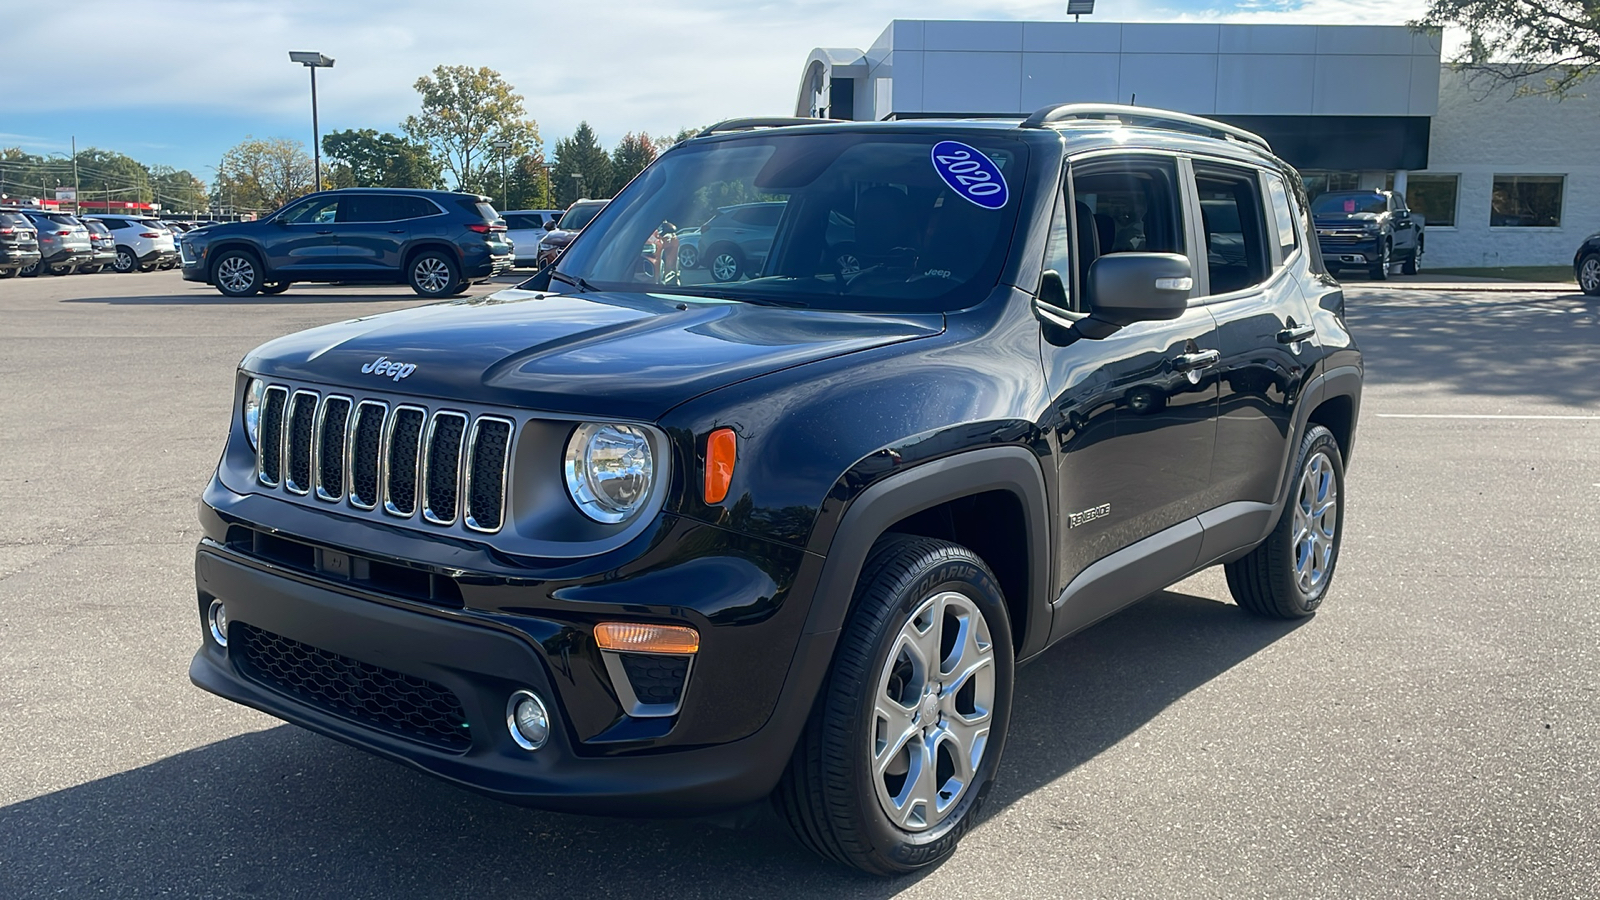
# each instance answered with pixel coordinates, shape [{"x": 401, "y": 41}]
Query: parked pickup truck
[{"x": 1371, "y": 230}]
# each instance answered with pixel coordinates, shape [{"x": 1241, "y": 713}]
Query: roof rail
[
  {"x": 760, "y": 122},
  {"x": 1142, "y": 116}
]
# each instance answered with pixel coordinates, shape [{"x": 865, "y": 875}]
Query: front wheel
[
  {"x": 63, "y": 270},
  {"x": 277, "y": 287},
  {"x": 433, "y": 274},
  {"x": 1589, "y": 274},
  {"x": 688, "y": 256},
  {"x": 905, "y": 738},
  {"x": 237, "y": 274},
  {"x": 1287, "y": 576},
  {"x": 725, "y": 264}
]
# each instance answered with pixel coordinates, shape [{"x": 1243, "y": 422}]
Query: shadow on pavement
[
  {"x": 283, "y": 812},
  {"x": 1541, "y": 346}
]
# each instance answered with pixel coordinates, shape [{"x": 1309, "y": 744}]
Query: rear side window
[
  {"x": 1232, "y": 216},
  {"x": 1283, "y": 215},
  {"x": 416, "y": 207},
  {"x": 480, "y": 208},
  {"x": 369, "y": 208}
]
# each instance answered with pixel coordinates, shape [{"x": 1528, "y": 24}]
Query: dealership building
[{"x": 1501, "y": 179}]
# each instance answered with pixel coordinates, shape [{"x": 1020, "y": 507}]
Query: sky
[{"x": 183, "y": 82}]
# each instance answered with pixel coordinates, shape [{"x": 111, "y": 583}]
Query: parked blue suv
[{"x": 436, "y": 241}]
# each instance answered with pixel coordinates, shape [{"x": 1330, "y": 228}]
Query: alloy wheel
[
  {"x": 1316, "y": 523},
  {"x": 125, "y": 261},
  {"x": 932, "y": 711},
  {"x": 724, "y": 267},
  {"x": 1589, "y": 275},
  {"x": 236, "y": 274},
  {"x": 432, "y": 274}
]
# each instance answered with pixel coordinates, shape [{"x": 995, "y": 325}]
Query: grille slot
[
  {"x": 269, "y": 438},
  {"x": 656, "y": 680},
  {"x": 442, "y": 467},
  {"x": 333, "y": 425},
  {"x": 405, "y": 447},
  {"x": 486, "y": 473},
  {"x": 302, "y": 426},
  {"x": 366, "y": 452},
  {"x": 380, "y": 698}
]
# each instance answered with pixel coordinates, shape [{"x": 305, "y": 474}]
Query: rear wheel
[
  {"x": 63, "y": 270},
  {"x": 905, "y": 738},
  {"x": 90, "y": 270},
  {"x": 237, "y": 274},
  {"x": 126, "y": 261},
  {"x": 433, "y": 274},
  {"x": 7, "y": 273},
  {"x": 1589, "y": 274},
  {"x": 1413, "y": 263},
  {"x": 1380, "y": 269},
  {"x": 277, "y": 287},
  {"x": 1287, "y": 576},
  {"x": 725, "y": 263},
  {"x": 30, "y": 270}
]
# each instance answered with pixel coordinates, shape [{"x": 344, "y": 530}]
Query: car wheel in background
[
  {"x": 89, "y": 270},
  {"x": 7, "y": 273},
  {"x": 1589, "y": 274},
  {"x": 63, "y": 270},
  {"x": 236, "y": 273},
  {"x": 126, "y": 261},
  {"x": 688, "y": 256},
  {"x": 725, "y": 263},
  {"x": 433, "y": 274},
  {"x": 1380, "y": 269},
  {"x": 904, "y": 740},
  {"x": 1413, "y": 263},
  {"x": 277, "y": 287},
  {"x": 1288, "y": 574},
  {"x": 29, "y": 271}
]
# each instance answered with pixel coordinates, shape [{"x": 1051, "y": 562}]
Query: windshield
[
  {"x": 579, "y": 215},
  {"x": 1337, "y": 204},
  {"x": 890, "y": 222}
]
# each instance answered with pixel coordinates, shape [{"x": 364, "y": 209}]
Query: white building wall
[{"x": 1481, "y": 132}]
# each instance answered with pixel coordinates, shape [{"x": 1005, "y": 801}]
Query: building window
[
  {"x": 1434, "y": 197},
  {"x": 1526, "y": 201},
  {"x": 1319, "y": 183}
]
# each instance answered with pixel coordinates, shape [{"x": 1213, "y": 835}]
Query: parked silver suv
[
  {"x": 64, "y": 243},
  {"x": 142, "y": 242}
]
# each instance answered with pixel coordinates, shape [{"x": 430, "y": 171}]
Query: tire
[
  {"x": 236, "y": 273},
  {"x": 275, "y": 288},
  {"x": 126, "y": 261},
  {"x": 30, "y": 270},
  {"x": 688, "y": 256},
  {"x": 829, "y": 794},
  {"x": 90, "y": 270},
  {"x": 433, "y": 274},
  {"x": 1413, "y": 263},
  {"x": 1380, "y": 269},
  {"x": 725, "y": 263},
  {"x": 63, "y": 270},
  {"x": 7, "y": 273},
  {"x": 1287, "y": 577},
  {"x": 1589, "y": 274}
]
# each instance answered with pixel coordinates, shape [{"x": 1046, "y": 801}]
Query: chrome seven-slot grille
[{"x": 403, "y": 458}]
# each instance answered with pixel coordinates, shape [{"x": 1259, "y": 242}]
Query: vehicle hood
[
  {"x": 1360, "y": 218},
  {"x": 627, "y": 355}
]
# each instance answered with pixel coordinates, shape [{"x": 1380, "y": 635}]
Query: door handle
[
  {"x": 325, "y": 232},
  {"x": 1295, "y": 334},
  {"x": 397, "y": 231},
  {"x": 1189, "y": 362}
]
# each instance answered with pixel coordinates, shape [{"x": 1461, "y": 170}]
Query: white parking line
[{"x": 1463, "y": 416}]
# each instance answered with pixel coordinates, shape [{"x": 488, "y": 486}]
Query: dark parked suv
[
  {"x": 436, "y": 241},
  {"x": 19, "y": 243},
  {"x": 609, "y": 543}
]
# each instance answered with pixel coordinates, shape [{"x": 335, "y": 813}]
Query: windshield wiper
[
  {"x": 574, "y": 280},
  {"x": 754, "y": 301}
]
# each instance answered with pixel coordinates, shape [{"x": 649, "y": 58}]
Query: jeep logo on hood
[{"x": 382, "y": 366}]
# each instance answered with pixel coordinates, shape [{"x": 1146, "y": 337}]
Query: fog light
[
  {"x": 217, "y": 617},
  {"x": 527, "y": 720}
]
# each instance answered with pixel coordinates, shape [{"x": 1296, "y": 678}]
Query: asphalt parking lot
[{"x": 1434, "y": 731}]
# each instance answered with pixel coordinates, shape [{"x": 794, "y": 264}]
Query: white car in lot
[
  {"x": 142, "y": 242},
  {"x": 524, "y": 228}
]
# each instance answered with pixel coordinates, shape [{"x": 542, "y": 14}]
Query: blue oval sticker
[{"x": 970, "y": 174}]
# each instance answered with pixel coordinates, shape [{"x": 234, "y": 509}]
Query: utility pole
[{"x": 76, "y": 207}]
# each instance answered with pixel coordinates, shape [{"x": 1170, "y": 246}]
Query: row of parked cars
[{"x": 36, "y": 240}]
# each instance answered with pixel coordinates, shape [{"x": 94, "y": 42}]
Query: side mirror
[
  {"x": 550, "y": 225},
  {"x": 1136, "y": 287}
]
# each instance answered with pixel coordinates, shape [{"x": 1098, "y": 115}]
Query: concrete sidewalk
[{"x": 1432, "y": 282}]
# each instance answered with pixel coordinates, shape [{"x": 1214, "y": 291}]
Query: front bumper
[
  {"x": 521, "y": 635},
  {"x": 1362, "y": 252}
]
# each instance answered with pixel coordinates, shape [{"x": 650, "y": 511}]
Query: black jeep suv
[
  {"x": 436, "y": 241},
  {"x": 611, "y": 542}
]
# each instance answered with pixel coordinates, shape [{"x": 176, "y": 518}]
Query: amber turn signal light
[
  {"x": 633, "y": 637},
  {"x": 722, "y": 449}
]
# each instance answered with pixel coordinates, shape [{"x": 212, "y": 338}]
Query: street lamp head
[{"x": 311, "y": 58}]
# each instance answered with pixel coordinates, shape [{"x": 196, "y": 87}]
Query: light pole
[
  {"x": 313, "y": 61},
  {"x": 505, "y": 189}
]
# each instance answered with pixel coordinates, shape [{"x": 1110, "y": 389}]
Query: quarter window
[
  {"x": 1526, "y": 201},
  {"x": 1231, "y": 215},
  {"x": 1058, "y": 254},
  {"x": 1282, "y": 215},
  {"x": 1434, "y": 198}
]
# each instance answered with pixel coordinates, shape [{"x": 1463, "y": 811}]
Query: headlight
[
  {"x": 252, "y": 409},
  {"x": 609, "y": 470}
]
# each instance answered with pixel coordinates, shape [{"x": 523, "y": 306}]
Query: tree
[
  {"x": 366, "y": 158},
  {"x": 263, "y": 174},
  {"x": 465, "y": 111},
  {"x": 1543, "y": 46},
  {"x": 632, "y": 154},
  {"x": 178, "y": 190},
  {"x": 580, "y": 155}
]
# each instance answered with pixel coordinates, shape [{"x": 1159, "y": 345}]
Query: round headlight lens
[
  {"x": 253, "y": 393},
  {"x": 609, "y": 470}
]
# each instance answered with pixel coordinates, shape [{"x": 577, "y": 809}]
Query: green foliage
[
  {"x": 1539, "y": 46},
  {"x": 465, "y": 112},
  {"x": 178, "y": 190},
  {"x": 366, "y": 158},
  {"x": 263, "y": 174},
  {"x": 581, "y": 155},
  {"x": 632, "y": 154}
]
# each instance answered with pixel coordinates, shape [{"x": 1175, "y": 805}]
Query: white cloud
[{"x": 621, "y": 64}]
